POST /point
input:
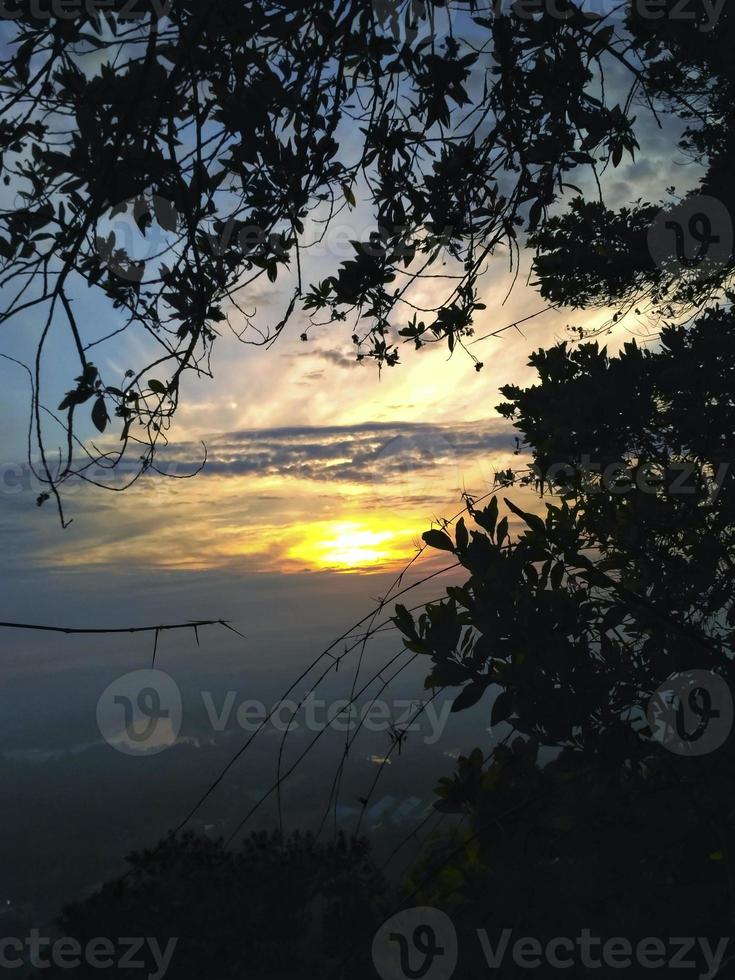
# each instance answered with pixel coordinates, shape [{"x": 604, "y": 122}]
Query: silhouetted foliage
[
  {"x": 580, "y": 618},
  {"x": 581, "y": 843},
  {"x": 276, "y": 907},
  {"x": 582, "y": 612},
  {"x": 239, "y": 132}
]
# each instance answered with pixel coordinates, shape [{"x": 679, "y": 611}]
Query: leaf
[
  {"x": 461, "y": 535},
  {"x": 77, "y": 397},
  {"x": 600, "y": 41},
  {"x": 349, "y": 196},
  {"x": 452, "y": 878},
  {"x": 143, "y": 220},
  {"x": 557, "y": 574},
  {"x": 535, "y": 215},
  {"x": 532, "y": 520},
  {"x": 166, "y": 214},
  {"x": 439, "y": 540},
  {"x": 488, "y": 517},
  {"x": 90, "y": 375},
  {"x": 447, "y": 673},
  {"x": 99, "y": 414},
  {"x": 157, "y": 387},
  {"x": 469, "y": 695},
  {"x": 404, "y": 621},
  {"x": 502, "y": 708}
]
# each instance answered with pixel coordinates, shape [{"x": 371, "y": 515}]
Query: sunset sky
[
  {"x": 314, "y": 460},
  {"x": 316, "y": 463}
]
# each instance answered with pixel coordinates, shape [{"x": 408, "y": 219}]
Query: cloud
[
  {"x": 361, "y": 453},
  {"x": 338, "y": 359}
]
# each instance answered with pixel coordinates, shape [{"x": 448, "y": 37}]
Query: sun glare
[{"x": 350, "y": 545}]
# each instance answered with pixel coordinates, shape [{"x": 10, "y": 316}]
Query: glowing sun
[{"x": 349, "y": 545}]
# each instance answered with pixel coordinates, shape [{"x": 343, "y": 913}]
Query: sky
[
  {"x": 315, "y": 462},
  {"x": 312, "y": 458},
  {"x": 321, "y": 472}
]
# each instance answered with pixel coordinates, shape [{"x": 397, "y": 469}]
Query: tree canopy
[
  {"x": 607, "y": 625},
  {"x": 236, "y": 133},
  {"x": 273, "y": 905}
]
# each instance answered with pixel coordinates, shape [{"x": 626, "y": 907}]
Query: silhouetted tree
[
  {"x": 239, "y": 131},
  {"x": 277, "y": 907},
  {"x": 609, "y": 618},
  {"x": 597, "y": 620}
]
